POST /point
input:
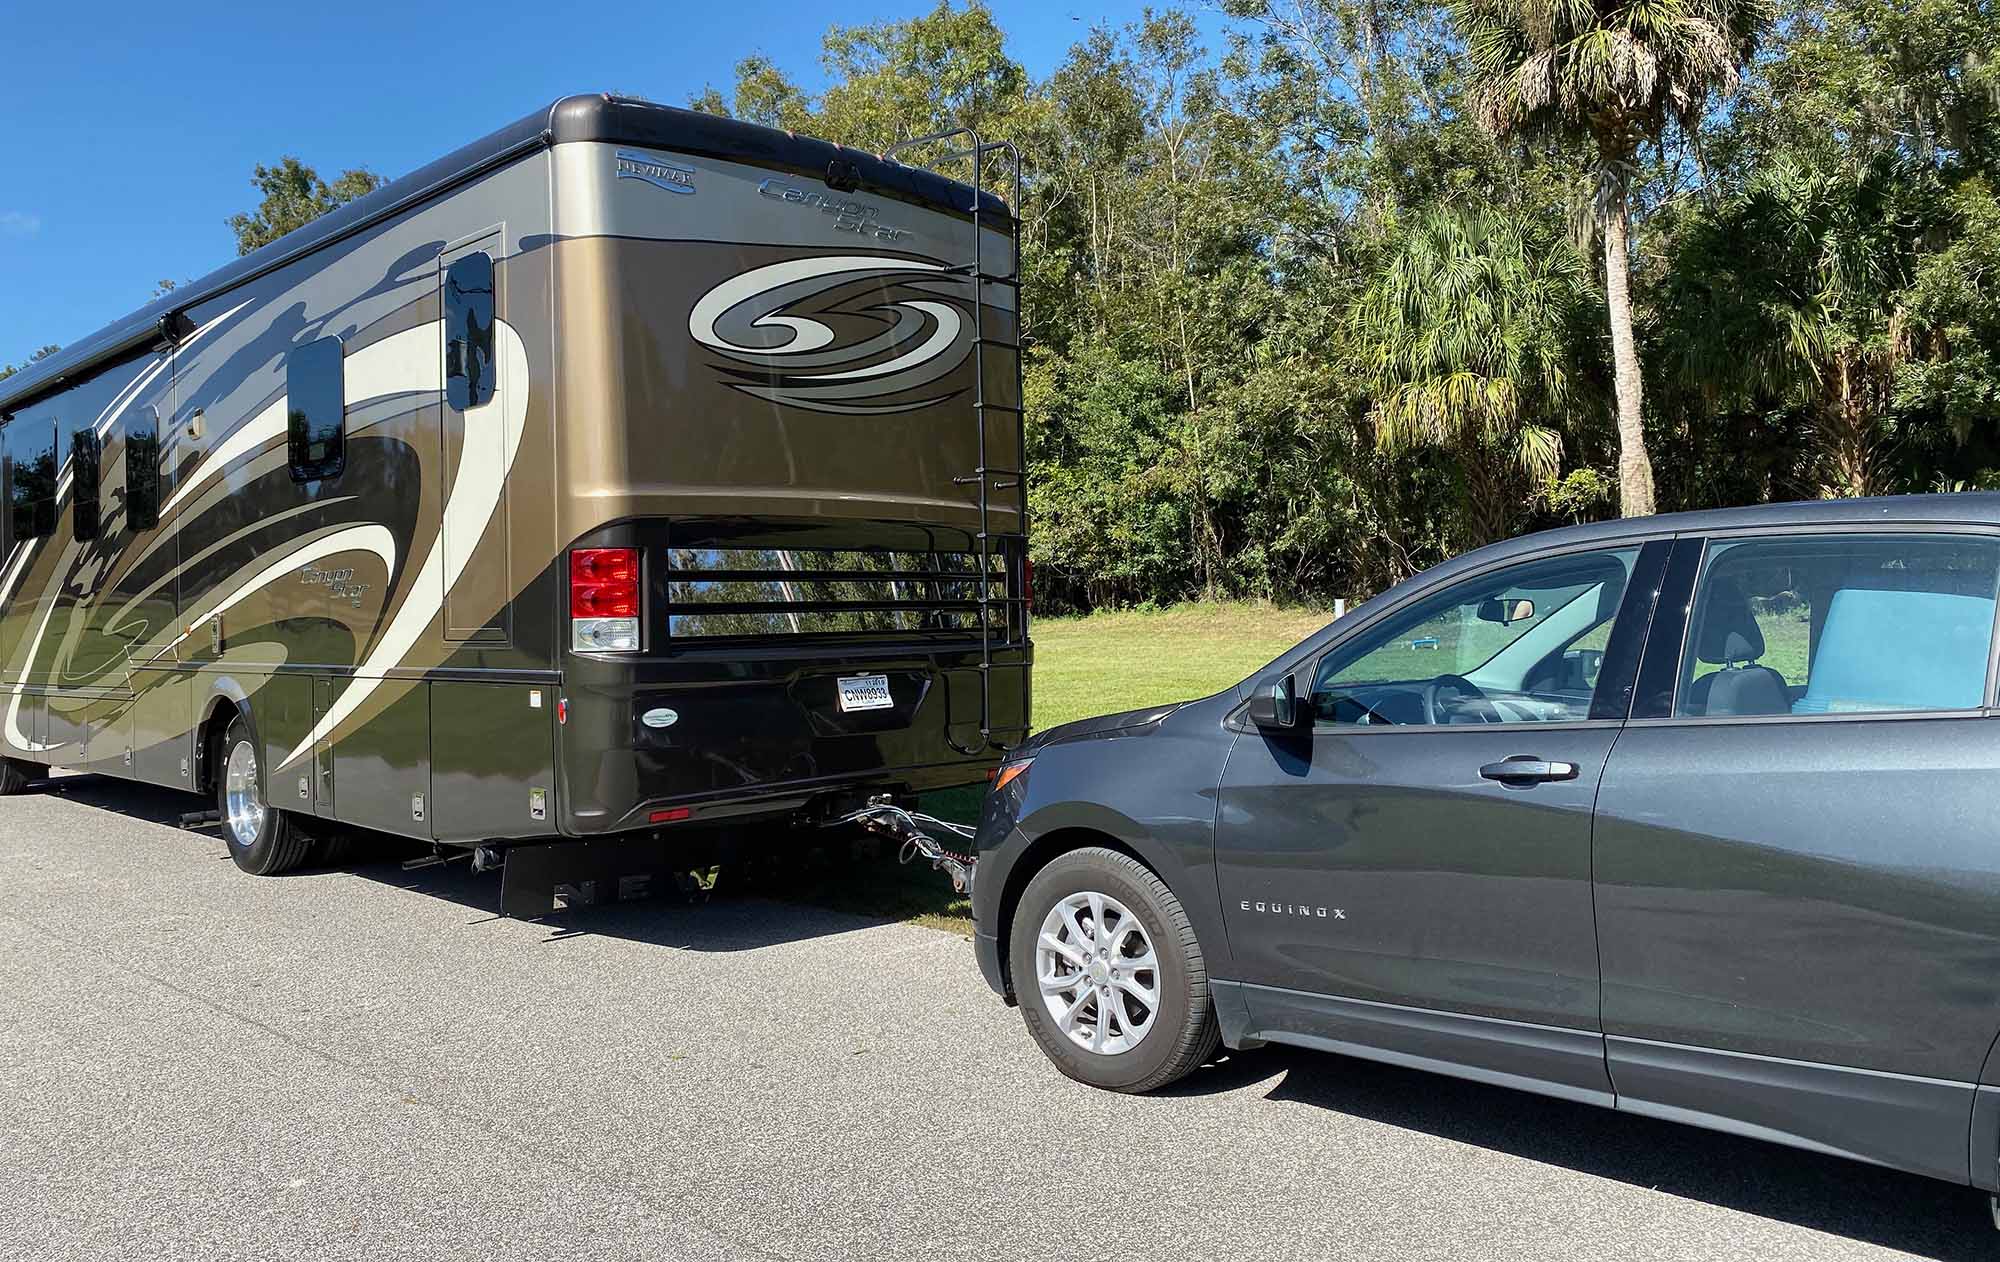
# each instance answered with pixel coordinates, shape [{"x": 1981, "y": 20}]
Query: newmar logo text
[
  {"x": 670, "y": 176},
  {"x": 1294, "y": 909}
]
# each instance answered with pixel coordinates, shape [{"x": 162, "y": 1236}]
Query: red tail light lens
[
  {"x": 604, "y": 583},
  {"x": 604, "y": 600}
]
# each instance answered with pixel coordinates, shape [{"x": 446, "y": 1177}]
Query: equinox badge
[{"x": 1294, "y": 909}]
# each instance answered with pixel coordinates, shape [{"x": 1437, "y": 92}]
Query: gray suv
[{"x": 1696, "y": 816}]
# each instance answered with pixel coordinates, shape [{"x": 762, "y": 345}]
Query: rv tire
[{"x": 261, "y": 838}]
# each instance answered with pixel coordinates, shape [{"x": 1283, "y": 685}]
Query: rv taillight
[{"x": 604, "y": 600}]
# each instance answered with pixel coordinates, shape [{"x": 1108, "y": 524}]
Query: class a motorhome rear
[{"x": 628, "y": 470}]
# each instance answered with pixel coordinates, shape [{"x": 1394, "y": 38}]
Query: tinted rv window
[
  {"x": 315, "y": 411},
  {"x": 86, "y": 458},
  {"x": 468, "y": 324},
  {"x": 31, "y": 499},
  {"x": 142, "y": 468}
]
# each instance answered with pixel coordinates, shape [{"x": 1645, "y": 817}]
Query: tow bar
[{"x": 908, "y": 828}]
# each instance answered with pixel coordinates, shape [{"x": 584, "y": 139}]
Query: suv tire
[{"x": 1140, "y": 962}]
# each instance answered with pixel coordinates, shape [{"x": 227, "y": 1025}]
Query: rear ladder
[{"x": 1013, "y": 602}]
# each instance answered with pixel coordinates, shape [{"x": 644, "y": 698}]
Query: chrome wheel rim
[
  {"x": 242, "y": 800},
  {"x": 1098, "y": 974}
]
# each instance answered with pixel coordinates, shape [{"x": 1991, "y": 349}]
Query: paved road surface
[{"x": 369, "y": 1064}]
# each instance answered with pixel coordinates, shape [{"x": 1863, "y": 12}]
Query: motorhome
[{"x": 629, "y": 470}]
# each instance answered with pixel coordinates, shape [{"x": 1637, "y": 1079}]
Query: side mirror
[
  {"x": 1276, "y": 708},
  {"x": 1505, "y": 610}
]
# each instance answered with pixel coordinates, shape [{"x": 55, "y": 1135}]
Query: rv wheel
[{"x": 261, "y": 837}]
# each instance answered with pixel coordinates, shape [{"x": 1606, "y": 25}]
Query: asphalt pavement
[{"x": 367, "y": 1063}]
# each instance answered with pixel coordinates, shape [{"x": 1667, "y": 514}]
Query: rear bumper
[{"x": 759, "y": 731}]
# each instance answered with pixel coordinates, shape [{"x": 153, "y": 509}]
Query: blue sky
[{"x": 132, "y": 130}]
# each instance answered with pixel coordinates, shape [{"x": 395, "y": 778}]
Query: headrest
[{"x": 1728, "y": 630}]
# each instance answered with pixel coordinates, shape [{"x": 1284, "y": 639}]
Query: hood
[{"x": 1124, "y": 723}]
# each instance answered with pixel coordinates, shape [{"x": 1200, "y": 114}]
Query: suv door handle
[{"x": 1525, "y": 769}]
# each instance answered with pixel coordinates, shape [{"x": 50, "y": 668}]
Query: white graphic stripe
[
  {"x": 475, "y": 494},
  {"x": 398, "y": 364},
  {"x": 13, "y": 733},
  {"x": 371, "y": 537},
  {"x": 125, "y": 398},
  {"x": 14, "y": 572}
]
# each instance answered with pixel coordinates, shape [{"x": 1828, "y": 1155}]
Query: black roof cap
[{"x": 598, "y": 117}]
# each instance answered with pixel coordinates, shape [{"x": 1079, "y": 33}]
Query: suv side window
[
  {"x": 1523, "y": 644},
  {"x": 1840, "y": 624}
]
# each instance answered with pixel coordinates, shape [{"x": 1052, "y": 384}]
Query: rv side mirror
[
  {"x": 1505, "y": 609},
  {"x": 1275, "y": 708}
]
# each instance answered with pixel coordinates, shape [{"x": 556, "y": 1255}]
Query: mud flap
[{"x": 541, "y": 880}]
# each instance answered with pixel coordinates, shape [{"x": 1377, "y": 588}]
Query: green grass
[
  {"x": 1122, "y": 661},
  {"x": 1083, "y": 666}
]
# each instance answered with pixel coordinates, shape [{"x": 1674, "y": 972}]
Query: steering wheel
[{"x": 1459, "y": 685}]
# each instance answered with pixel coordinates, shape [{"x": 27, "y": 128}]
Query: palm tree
[
  {"x": 1790, "y": 294},
  {"x": 1468, "y": 339},
  {"x": 1614, "y": 73}
]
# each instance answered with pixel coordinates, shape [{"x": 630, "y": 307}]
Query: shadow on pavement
[
  {"x": 736, "y": 918},
  {"x": 1925, "y": 1217},
  {"x": 1845, "y": 1198}
]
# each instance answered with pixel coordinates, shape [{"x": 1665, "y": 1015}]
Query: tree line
[
  {"x": 1361, "y": 284},
  {"x": 1371, "y": 282}
]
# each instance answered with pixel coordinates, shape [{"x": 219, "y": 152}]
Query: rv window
[
  {"x": 142, "y": 469},
  {"x": 86, "y": 453},
  {"x": 468, "y": 325},
  {"x": 316, "y": 411},
  {"x": 31, "y": 491}
]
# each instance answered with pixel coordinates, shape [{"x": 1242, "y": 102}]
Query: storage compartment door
[{"x": 493, "y": 760}]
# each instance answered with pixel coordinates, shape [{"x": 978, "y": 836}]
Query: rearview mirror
[
  {"x": 1276, "y": 707},
  {"x": 1506, "y": 609}
]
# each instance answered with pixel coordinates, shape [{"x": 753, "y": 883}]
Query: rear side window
[
  {"x": 1840, "y": 624},
  {"x": 316, "y": 411},
  {"x": 86, "y": 460},
  {"x": 142, "y": 468},
  {"x": 468, "y": 332}
]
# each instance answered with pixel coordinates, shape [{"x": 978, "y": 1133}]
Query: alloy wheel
[
  {"x": 1097, "y": 973},
  {"x": 243, "y": 799}
]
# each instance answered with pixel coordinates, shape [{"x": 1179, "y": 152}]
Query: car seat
[{"x": 1731, "y": 639}]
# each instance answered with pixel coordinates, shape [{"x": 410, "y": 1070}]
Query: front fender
[{"x": 1152, "y": 792}]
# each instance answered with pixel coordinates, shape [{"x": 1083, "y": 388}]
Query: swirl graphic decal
[{"x": 857, "y": 334}]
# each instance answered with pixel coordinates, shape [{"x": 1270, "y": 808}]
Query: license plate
[{"x": 865, "y": 692}]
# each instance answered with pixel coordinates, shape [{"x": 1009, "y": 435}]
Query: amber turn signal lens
[{"x": 1008, "y": 771}]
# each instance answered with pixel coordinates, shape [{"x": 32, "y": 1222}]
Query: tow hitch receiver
[{"x": 910, "y": 829}]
